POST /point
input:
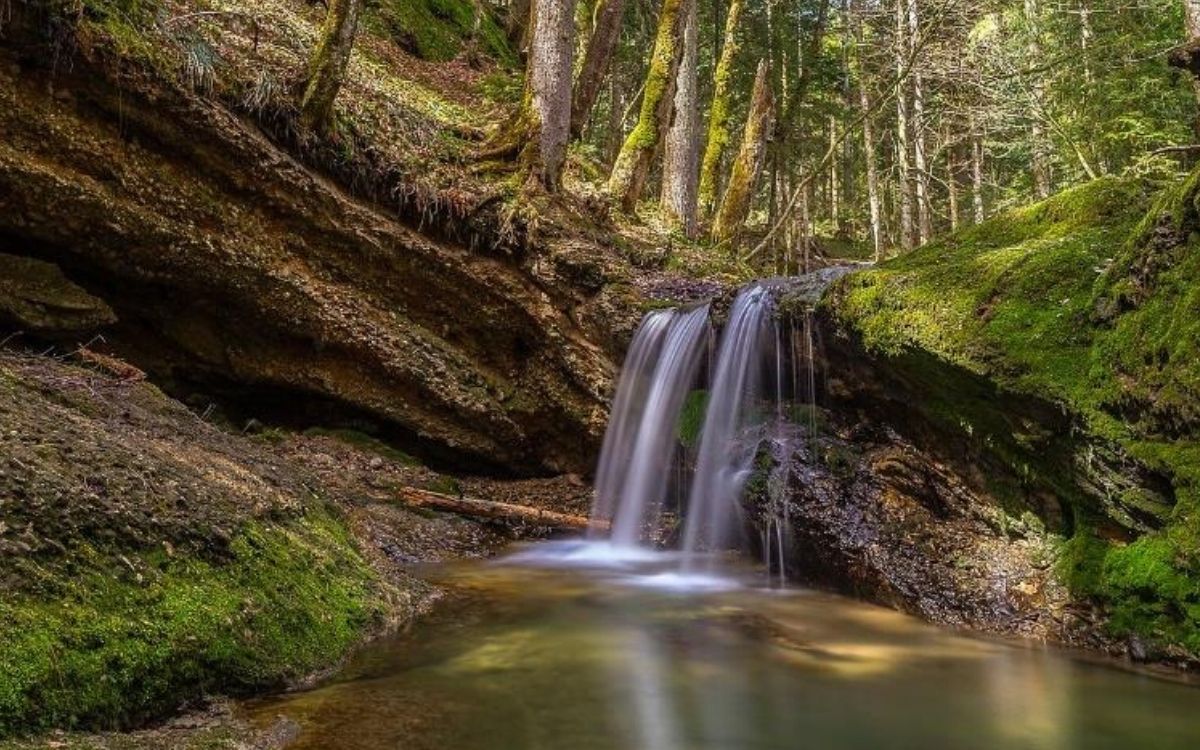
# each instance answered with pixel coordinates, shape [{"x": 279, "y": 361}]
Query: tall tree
[
  {"x": 628, "y": 179},
  {"x": 748, "y": 165},
  {"x": 681, "y": 162},
  {"x": 1039, "y": 157},
  {"x": 868, "y": 133},
  {"x": 605, "y": 33},
  {"x": 546, "y": 116},
  {"x": 977, "y": 172},
  {"x": 903, "y": 127},
  {"x": 719, "y": 112},
  {"x": 920, "y": 158},
  {"x": 327, "y": 67}
]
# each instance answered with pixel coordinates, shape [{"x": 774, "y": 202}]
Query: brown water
[{"x": 550, "y": 653}]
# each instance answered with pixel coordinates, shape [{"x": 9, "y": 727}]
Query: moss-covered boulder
[{"x": 1087, "y": 301}]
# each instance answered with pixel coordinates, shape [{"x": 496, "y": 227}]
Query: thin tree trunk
[
  {"x": 977, "y": 171},
  {"x": 864, "y": 101},
  {"x": 835, "y": 169},
  {"x": 327, "y": 68},
  {"x": 681, "y": 161},
  {"x": 747, "y": 167},
  {"x": 614, "y": 133},
  {"x": 719, "y": 113},
  {"x": 904, "y": 173},
  {"x": 548, "y": 94},
  {"x": 952, "y": 186},
  {"x": 1040, "y": 158},
  {"x": 874, "y": 208},
  {"x": 629, "y": 174},
  {"x": 806, "y": 228},
  {"x": 605, "y": 33},
  {"x": 920, "y": 159}
]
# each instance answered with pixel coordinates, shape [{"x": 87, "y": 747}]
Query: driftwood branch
[{"x": 476, "y": 508}]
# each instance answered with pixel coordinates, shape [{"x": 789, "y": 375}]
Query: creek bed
[{"x": 570, "y": 646}]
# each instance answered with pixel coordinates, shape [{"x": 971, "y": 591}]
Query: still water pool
[{"x": 572, "y": 647}]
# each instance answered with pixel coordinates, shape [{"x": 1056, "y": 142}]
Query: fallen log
[{"x": 476, "y": 508}]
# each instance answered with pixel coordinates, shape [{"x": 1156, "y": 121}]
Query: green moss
[
  {"x": 438, "y": 29},
  {"x": 106, "y": 649},
  {"x": 1091, "y": 299},
  {"x": 691, "y": 418}
]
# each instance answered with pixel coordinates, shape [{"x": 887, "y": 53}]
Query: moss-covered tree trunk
[
  {"x": 546, "y": 115},
  {"x": 600, "y": 48},
  {"x": 681, "y": 162},
  {"x": 747, "y": 167},
  {"x": 718, "y": 118},
  {"x": 327, "y": 68},
  {"x": 628, "y": 178}
]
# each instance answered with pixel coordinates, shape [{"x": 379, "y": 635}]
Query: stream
[{"x": 586, "y": 646}]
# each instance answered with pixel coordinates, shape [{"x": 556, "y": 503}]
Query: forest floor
[{"x": 177, "y": 525}]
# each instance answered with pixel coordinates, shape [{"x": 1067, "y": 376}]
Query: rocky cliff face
[{"x": 233, "y": 268}]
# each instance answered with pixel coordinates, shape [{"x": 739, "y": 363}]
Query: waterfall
[
  {"x": 726, "y": 454},
  {"x": 632, "y": 478}
]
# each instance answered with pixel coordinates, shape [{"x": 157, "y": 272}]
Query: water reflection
[{"x": 564, "y": 650}]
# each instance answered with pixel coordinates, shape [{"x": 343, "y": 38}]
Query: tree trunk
[
  {"x": 628, "y": 178},
  {"x": 835, "y": 169},
  {"x": 327, "y": 68},
  {"x": 920, "y": 160},
  {"x": 952, "y": 186},
  {"x": 806, "y": 228},
  {"x": 1039, "y": 148},
  {"x": 747, "y": 167},
  {"x": 681, "y": 162},
  {"x": 605, "y": 33},
  {"x": 977, "y": 171},
  {"x": 477, "y": 508},
  {"x": 864, "y": 101},
  {"x": 904, "y": 171},
  {"x": 718, "y": 118},
  {"x": 548, "y": 92}
]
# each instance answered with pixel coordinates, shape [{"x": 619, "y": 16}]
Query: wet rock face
[
  {"x": 226, "y": 260},
  {"x": 924, "y": 487},
  {"x": 875, "y": 517}
]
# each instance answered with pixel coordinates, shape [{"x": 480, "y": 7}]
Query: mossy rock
[
  {"x": 115, "y": 647},
  {"x": 1091, "y": 300}
]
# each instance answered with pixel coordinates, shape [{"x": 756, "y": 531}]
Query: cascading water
[
  {"x": 759, "y": 377},
  {"x": 726, "y": 454},
  {"x": 632, "y": 478}
]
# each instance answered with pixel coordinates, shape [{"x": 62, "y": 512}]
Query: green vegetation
[
  {"x": 438, "y": 29},
  {"x": 94, "y": 647},
  {"x": 1025, "y": 301}
]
